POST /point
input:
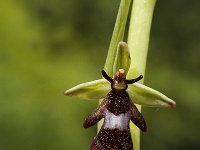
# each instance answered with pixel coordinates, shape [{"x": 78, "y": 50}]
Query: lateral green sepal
[
  {"x": 96, "y": 89},
  {"x": 146, "y": 96}
]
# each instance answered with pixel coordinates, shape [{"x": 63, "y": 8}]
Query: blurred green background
[{"x": 48, "y": 46}]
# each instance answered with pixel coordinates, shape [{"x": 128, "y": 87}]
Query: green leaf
[
  {"x": 96, "y": 89},
  {"x": 122, "y": 59},
  {"x": 117, "y": 36},
  {"x": 143, "y": 95}
]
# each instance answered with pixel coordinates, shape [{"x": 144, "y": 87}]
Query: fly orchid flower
[{"x": 117, "y": 107}]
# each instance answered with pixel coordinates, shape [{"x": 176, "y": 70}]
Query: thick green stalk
[{"x": 138, "y": 41}]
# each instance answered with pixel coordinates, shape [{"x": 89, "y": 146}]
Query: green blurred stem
[{"x": 138, "y": 41}]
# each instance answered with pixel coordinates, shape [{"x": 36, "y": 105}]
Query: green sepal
[
  {"x": 122, "y": 59},
  {"x": 139, "y": 93},
  {"x": 96, "y": 89},
  {"x": 143, "y": 95}
]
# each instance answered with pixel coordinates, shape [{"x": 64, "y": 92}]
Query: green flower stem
[
  {"x": 117, "y": 36},
  {"x": 138, "y": 41}
]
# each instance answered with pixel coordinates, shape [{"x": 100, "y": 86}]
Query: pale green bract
[{"x": 122, "y": 59}]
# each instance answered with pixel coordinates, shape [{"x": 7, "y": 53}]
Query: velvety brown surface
[
  {"x": 118, "y": 103},
  {"x": 114, "y": 139}
]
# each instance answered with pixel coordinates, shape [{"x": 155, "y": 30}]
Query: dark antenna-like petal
[
  {"x": 105, "y": 75},
  {"x": 134, "y": 80}
]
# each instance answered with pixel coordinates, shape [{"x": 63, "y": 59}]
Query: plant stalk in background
[{"x": 138, "y": 41}]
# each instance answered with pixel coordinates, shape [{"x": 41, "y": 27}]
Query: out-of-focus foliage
[{"x": 47, "y": 46}]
